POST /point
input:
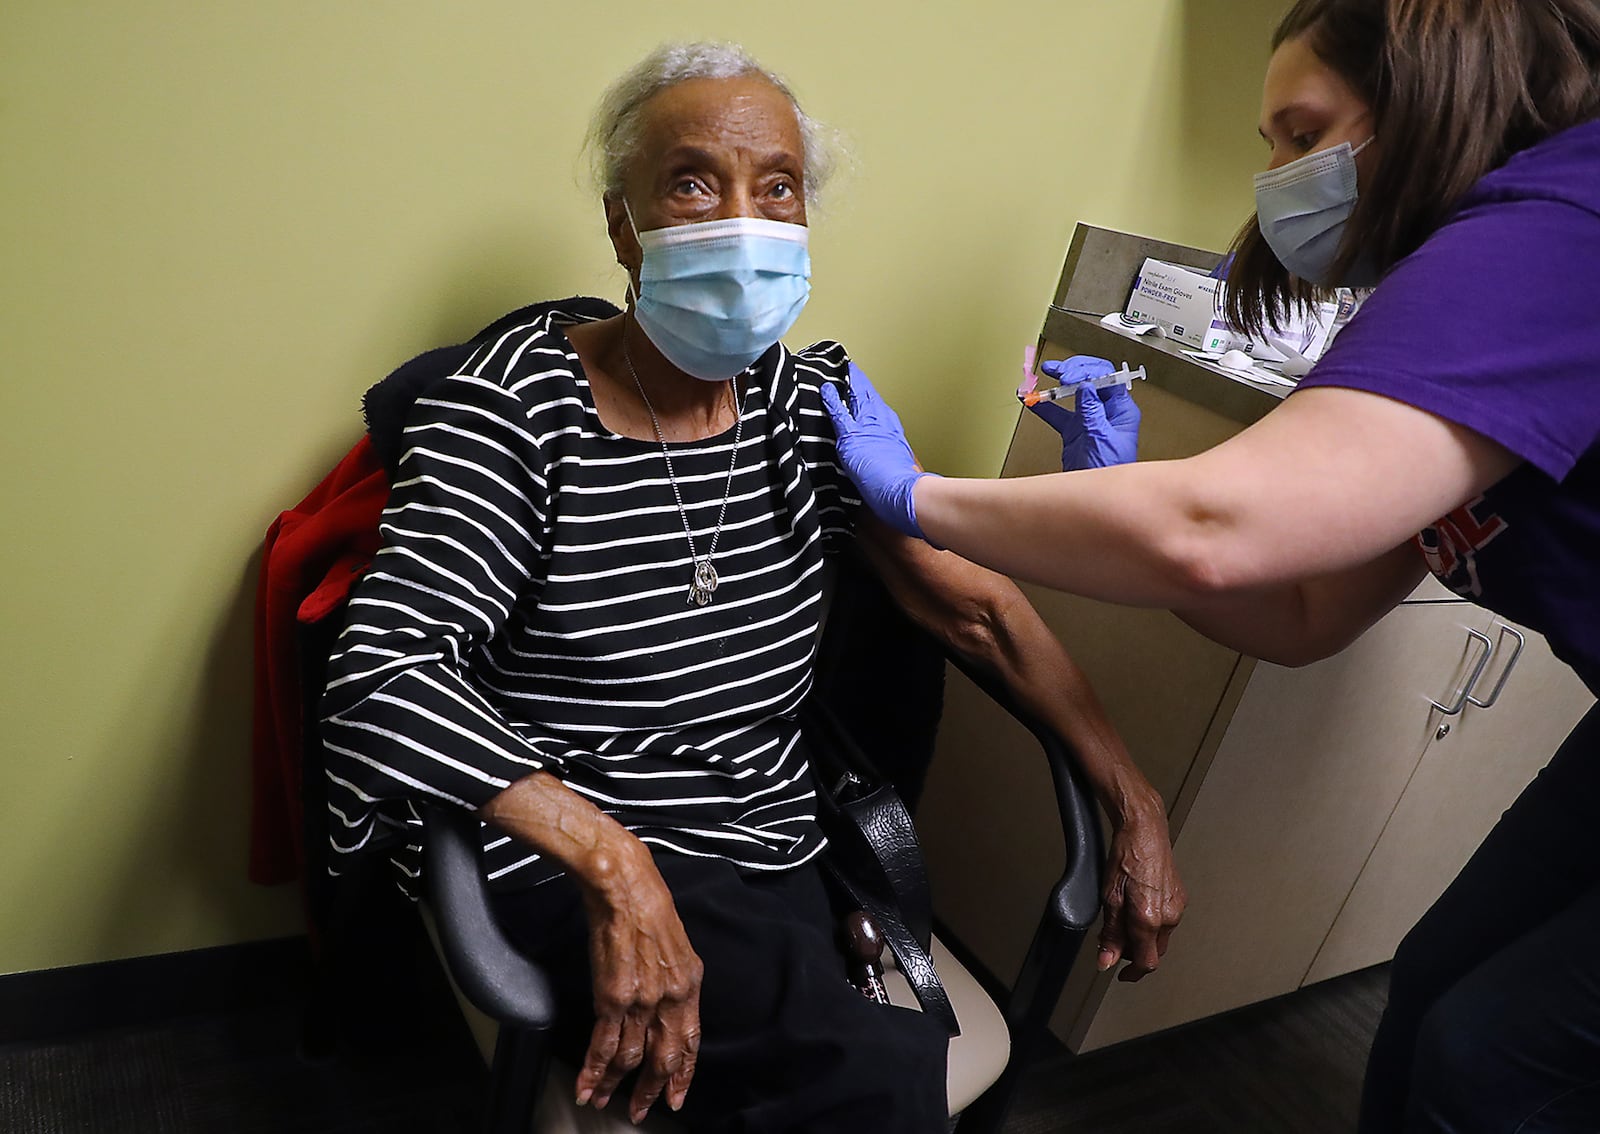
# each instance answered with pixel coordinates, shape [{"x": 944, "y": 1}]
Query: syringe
[{"x": 1123, "y": 377}]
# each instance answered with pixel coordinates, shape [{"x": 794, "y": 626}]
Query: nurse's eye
[{"x": 1304, "y": 142}]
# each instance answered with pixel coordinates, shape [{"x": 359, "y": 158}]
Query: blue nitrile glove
[
  {"x": 873, "y": 449},
  {"x": 1102, "y": 429}
]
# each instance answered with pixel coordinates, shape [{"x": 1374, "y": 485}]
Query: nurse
[{"x": 1448, "y": 152}]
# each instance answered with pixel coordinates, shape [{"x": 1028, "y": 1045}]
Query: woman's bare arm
[{"x": 985, "y": 617}]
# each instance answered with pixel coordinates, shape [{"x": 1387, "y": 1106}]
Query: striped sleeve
[
  {"x": 462, "y": 540},
  {"x": 838, "y": 499}
]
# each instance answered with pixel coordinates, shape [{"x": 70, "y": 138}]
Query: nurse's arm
[
  {"x": 1324, "y": 487},
  {"x": 1299, "y": 623}
]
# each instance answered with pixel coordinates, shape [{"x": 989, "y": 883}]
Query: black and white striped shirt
[{"x": 528, "y": 610}]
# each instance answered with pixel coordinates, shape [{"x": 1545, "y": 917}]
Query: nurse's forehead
[
  {"x": 745, "y": 112},
  {"x": 1299, "y": 82}
]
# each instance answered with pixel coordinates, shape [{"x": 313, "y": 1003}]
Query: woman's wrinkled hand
[
  {"x": 646, "y": 990},
  {"x": 1143, "y": 896},
  {"x": 875, "y": 454}
]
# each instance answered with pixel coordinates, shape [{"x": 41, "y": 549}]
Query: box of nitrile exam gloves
[{"x": 1182, "y": 302}]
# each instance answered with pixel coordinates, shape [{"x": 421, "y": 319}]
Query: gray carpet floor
[
  {"x": 1288, "y": 1066},
  {"x": 1292, "y": 1066},
  {"x": 236, "y": 1074}
]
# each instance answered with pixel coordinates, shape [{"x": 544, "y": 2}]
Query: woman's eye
[
  {"x": 1303, "y": 142},
  {"x": 689, "y": 187},
  {"x": 783, "y": 191}
]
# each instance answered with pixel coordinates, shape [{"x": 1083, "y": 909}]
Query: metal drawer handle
[
  {"x": 1477, "y": 671},
  {"x": 1494, "y": 694}
]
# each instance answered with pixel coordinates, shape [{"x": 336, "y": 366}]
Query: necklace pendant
[{"x": 705, "y": 582}]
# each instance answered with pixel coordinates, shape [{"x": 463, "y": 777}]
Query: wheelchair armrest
[
  {"x": 499, "y": 981},
  {"x": 1075, "y": 901}
]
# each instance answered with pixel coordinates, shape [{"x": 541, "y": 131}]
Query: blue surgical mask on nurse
[{"x": 1302, "y": 209}]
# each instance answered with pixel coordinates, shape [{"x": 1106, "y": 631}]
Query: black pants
[
  {"x": 1493, "y": 1022},
  {"x": 787, "y": 1044}
]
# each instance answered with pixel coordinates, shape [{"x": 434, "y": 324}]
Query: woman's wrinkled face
[
  {"x": 1306, "y": 106},
  {"x": 712, "y": 149}
]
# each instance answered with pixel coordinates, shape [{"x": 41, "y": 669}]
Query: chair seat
[{"x": 977, "y": 1056}]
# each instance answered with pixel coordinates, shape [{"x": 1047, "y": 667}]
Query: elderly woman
[{"x": 592, "y": 621}]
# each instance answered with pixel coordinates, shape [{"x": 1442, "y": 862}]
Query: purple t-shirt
[{"x": 1494, "y": 323}]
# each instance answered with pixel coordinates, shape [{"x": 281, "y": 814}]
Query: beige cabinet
[
  {"x": 1340, "y": 803},
  {"x": 1474, "y": 764},
  {"x": 1316, "y": 811}
]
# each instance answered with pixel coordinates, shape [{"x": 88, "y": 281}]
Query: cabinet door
[
  {"x": 1474, "y": 767},
  {"x": 1310, "y": 767}
]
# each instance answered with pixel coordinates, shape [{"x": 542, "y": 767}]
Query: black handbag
[{"x": 873, "y": 855}]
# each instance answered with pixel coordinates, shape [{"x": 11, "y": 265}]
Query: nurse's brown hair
[{"x": 1456, "y": 87}]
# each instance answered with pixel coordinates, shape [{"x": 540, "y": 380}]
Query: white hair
[{"x": 618, "y": 120}]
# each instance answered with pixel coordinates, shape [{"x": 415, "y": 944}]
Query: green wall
[{"x": 221, "y": 222}]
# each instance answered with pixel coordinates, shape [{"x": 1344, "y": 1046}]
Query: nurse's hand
[
  {"x": 1102, "y": 428},
  {"x": 874, "y": 452}
]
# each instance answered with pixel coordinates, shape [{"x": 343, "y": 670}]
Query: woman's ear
[{"x": 624, "y": 240}]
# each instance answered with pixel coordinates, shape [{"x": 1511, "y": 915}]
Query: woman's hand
[
  {"x": 646, "y": 974},
  {"x": 873, "y": 449},
  {"x": 1143, "y": 896},
  {"x": 1102, "y": 428},
  {"x": 646, "y": 988}
]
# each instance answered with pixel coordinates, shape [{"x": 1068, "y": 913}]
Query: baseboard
[{"x": 139, "y": 991}]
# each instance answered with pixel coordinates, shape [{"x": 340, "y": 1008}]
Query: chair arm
[
  {"x": 1073, "y": 905},
  {"x": 499, "y": 981},
  {"x": 1075, "y": 901}
]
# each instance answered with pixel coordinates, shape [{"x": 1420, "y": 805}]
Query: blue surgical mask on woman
[
  {"x": 715, "y": 295},
  {"x": 1302, "y": 208}
]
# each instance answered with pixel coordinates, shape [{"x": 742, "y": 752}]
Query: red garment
[{"x": 312, "y": 556}]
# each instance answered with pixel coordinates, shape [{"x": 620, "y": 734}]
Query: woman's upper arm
[
  {"x": 822, "y": 364},
  {"x": 460, "y": 536},
  {"x": 977, "y": 613},
  {"x": 943, "y": 593}
]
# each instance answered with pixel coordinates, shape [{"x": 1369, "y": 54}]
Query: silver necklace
[{"x": 704, "y": 582}]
